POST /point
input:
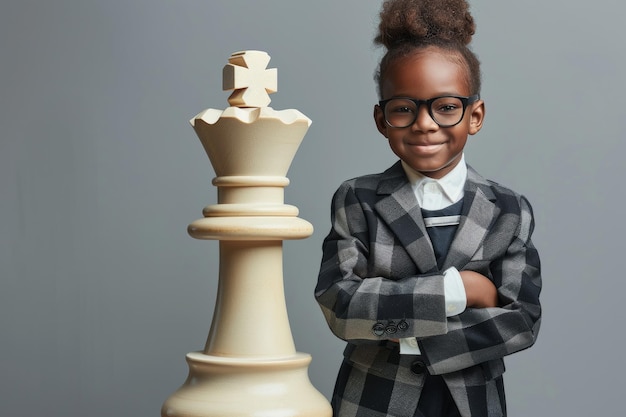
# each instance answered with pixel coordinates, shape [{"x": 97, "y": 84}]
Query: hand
[{"x": 479, "y": 290}]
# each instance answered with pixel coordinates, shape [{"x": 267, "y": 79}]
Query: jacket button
[
  {"x": 378, "y": 329},
  {"x": 391, "y": 328},
  {"x": 418, "y": 367},
  {"x": 403, "y": 325}
]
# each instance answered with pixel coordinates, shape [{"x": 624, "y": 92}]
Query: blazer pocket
[
  {"x": 386, "y": 363},
  {"x": 366, "y": 356}
]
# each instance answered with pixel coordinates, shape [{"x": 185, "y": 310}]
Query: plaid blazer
[{"x": 379, "y": 280}]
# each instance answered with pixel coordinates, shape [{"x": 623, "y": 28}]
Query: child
[{"x": 428, "y": 272}]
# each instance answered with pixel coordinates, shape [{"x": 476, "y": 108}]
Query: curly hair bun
[{"x": 424, "y": 21}]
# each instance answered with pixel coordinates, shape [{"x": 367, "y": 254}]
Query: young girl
[{"x": 428, "y": 272}]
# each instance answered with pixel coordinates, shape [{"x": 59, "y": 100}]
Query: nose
[{"x": 423, "y": 121}]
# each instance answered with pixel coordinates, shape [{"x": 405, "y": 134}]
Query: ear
[
  {"x": 379, "y": 118},
  {"x": 477, "y": 116}
]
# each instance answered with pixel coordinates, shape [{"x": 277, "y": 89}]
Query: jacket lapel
[
  {"x": 398, "y": 208},
  {"x": 479, "y": 212}
]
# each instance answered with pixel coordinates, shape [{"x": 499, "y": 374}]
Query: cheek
[{"x": 396, "y": 145}]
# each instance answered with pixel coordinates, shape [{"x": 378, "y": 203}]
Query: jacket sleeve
[
  {"x": 481, "y": 334},
  {"x": 358, "y": 301}
]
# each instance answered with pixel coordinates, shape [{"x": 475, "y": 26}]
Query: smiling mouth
[{"x": 427, "y": 148}]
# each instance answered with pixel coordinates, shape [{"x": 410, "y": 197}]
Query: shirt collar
[{"x": 452, "y": 183}]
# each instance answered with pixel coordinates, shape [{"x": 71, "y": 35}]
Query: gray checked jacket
[{"x": 379, "y": 271}]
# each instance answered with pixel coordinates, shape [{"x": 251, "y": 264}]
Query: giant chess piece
[{"x": 249, "y": 366}]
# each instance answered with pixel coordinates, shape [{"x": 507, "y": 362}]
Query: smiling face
[{"x": 424, "y": 146}]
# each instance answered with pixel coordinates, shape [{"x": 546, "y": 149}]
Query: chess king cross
[{"x": 247, "y": 74}]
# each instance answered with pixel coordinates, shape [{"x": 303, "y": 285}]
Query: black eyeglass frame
[{"x": 466, "y": 101}]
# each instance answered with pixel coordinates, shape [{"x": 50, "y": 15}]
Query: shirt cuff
[
  {"x": 454, "y": 291},
  {"x": 409, "y": 346}
]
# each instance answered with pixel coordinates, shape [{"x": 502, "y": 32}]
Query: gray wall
[{"x": 102, "y": 292}]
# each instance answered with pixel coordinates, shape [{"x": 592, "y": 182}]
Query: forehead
[{"x": 426, "y": 74}]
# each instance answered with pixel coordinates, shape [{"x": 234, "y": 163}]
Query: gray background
[{"x": 102, "y": 292}]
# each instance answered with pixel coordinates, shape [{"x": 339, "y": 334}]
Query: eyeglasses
[{"x": 446, "y": 111}]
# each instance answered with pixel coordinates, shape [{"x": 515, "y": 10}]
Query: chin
[{"x": 436, "y": 171}]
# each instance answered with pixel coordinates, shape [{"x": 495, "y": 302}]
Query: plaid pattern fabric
[{"x": 379, "y": 280}]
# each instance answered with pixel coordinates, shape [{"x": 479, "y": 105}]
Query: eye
[
  {"x": 402, "y": 109},
  {"x": 447, "y": 105},
  {"x": 446, "y": 108},
  {"x": 399, "y": 106}
]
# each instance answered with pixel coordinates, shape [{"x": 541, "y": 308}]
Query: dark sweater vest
[{"x": 441, "y": 236}]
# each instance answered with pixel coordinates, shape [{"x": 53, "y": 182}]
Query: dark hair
[{"x": 409, "y": 26}]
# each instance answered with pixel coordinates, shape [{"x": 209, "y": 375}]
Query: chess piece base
[{"x": 226, "y": 386}]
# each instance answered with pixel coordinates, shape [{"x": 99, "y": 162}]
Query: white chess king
[{"x": 249, "y": 366}]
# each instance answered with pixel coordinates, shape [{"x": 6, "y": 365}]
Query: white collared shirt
[{"x": 436, "y": 194}]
